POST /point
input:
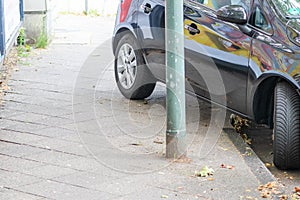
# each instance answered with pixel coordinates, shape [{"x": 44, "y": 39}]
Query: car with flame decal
[{"x": 255, "y": 46}]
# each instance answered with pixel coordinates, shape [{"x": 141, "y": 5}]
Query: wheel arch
[
  {"x": 119, "y": 32},
  {"x": 262, "y": 97}
]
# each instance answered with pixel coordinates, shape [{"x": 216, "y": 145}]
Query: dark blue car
[{"x": 240, "y": 54}]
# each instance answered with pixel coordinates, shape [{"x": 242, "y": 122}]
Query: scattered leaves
[
  {"x": 238, "y": 123},
  {"x": 269, "y": 190},
  {"x": 205, "y": 172},
  {"x": 297, "y": 189},
  {"x": 164, "y": 196},
  {"x": 246, "y": 139}
]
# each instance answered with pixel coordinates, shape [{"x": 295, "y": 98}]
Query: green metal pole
[{"x": 175, "y": 80}]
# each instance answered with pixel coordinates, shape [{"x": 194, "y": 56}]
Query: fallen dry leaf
[
  {"x": 227, "y": 166},
  {"x": 295, "y": 196},
  {"x": 246, "y": 139},
  {"x": 276, "y": 192},
  {"x": 271, "y": 185},
  {"x": 266, "y": 194},
  {"x": 5, "y": 88},
  {"x": 261, "y": 187},
  {"x": 230, "y": 167},
  {"x": 268, "y": 165},
  {"x": 283, "y": 197}
]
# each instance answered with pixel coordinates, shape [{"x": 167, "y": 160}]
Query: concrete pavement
[{"x": 67, "y": 133}]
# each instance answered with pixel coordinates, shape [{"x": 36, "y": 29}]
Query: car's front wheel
[
  {"x": 286, "y": 127},
  {"x": 133, "y": 78}
]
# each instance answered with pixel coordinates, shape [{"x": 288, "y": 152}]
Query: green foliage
[
  {"x": 42, "y": 41},
  {"x": 21, "y": 37},
  {"x": 205, "y": 172},
  {"x": 94, "y": 12},
  {"x": 23, "y": 49}
]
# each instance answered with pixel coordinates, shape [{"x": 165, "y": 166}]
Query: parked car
[{"x": 255, "y": 46}]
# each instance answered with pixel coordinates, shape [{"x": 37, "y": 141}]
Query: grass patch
[
  {"x": 23, "y": 49},
  {"x": 42, "y": 41}
]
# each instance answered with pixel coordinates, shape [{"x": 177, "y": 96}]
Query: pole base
[{"x": 176, "y": 145}]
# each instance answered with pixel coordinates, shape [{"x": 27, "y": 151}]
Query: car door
[
  {"x": 217, "y": 54},
  {"x": 151, "y": 34}
]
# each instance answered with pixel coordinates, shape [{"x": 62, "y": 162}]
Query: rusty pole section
[{"x": 175, "y": 80}]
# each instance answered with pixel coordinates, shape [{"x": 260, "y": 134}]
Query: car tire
[
  {"x": 134, "y": 79},
  {"x": 286, "y": 127}
]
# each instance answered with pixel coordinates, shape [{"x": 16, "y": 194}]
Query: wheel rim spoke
[
  {"x": 123, "y": 78},
  {"x": 131, "y": 76},
  {"x": 128, "y": 79},
  {"x": 131, "y": 56},
  {"x": 121, "y": 69},
  {"x": 133, "y": 64},
  {"x": 126, "y": 66}
]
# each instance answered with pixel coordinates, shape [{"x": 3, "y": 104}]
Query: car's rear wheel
[
  {"x": 286, "y": 127},
  {"x": 133, "y": 78}
]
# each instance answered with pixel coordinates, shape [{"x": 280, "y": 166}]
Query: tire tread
[{"x": 287, "y": 127}]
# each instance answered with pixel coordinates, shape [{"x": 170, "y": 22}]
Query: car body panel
[{"x": 228, "y": 49}]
